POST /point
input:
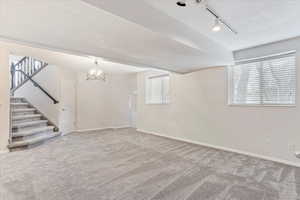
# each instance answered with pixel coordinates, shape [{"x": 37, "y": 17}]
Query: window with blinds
[
  {"x": 157, "y": 89},
  {"x": 264, "y": 81}
]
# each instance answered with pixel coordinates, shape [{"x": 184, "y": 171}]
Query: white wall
[
  {"x": 104, "y": 104},
  {"x": 83, "y": 104},
  {"x": 199, "y": 112},
  {"x": 4, "y": 99},
  {"x": 50, "y": 78}
]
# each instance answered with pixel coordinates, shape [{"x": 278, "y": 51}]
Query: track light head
[
  {"x": 181, "y": 3},
  {"x": 217, "y": 26},
  {"x": 219, "y": 22}
]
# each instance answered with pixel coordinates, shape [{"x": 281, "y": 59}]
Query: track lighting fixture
[{"x": 218, "y": 22}]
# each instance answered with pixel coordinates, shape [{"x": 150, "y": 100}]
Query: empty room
[{"x": 149, "y": 100}]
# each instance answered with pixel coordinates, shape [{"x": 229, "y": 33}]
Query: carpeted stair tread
[
  {"x": 26, "y": 124},
  {"x": 23, "y": 110},
  {"x": 32, "y": 131},
  {"x": 34, "y": 140},
  {"x": 26, "y": 116},
  {"x": 19, "y": 104}
]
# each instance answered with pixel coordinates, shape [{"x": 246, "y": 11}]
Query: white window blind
[
  {"x": 264, "y": 81},
  {"x": 157, "y": 89}
]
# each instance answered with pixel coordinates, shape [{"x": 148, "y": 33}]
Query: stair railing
[
  {"x": 24, "y": 70},
  {"x": 29, "y": 66}
]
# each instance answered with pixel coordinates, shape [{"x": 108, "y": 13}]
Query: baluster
[
  {"x": 15, "y": 76},
  {"x": 31, "y": 65},
  {"x": 32, "y": 68},
  {"x": 12, "y": 76},
  {"x": 26, "y": 68},
  {"x": 39, "y": 65},
  {"x": 19, "y": 75},
  {"x": 27, "y": 71},
  {"x": 23, "y": 69},
  {"x": 35, "y": 66},
  {"x": 16, "y": 79}
]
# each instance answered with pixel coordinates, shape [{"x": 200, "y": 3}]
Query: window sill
[{"x": 263, "y": 105}]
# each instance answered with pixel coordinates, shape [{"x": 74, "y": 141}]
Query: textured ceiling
[
  {"x": 149, "y": 33},
  {"x": 73, "y": 62},
  {"x": 77, "y": 26},
  {"x": 257, "y": 21}
]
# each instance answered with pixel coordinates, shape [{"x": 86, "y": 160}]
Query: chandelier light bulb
[
  {"x": 92, "y": 72},
  {"x": 95, "y": 74},
  {"x": 99, "y": 72}
]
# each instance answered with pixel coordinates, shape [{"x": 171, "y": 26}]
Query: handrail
[
  {"x": 38, "y": 86},
  {"x": 28, "y": 65}
]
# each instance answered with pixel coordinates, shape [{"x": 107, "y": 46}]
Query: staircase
[{"x": 29, "y": 127}]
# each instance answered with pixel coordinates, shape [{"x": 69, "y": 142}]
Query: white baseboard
[
  {"x": 67, "y": 133},
  {"x": 101, "y": 129},
  {"x": 225, "y": 149}
]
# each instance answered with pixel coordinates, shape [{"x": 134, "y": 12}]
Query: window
[
  {"x": 157, "y": 89},
  {"x": 264, "y": 81}
]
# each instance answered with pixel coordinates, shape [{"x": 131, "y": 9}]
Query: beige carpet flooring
[{"x": 128, "y": 165}]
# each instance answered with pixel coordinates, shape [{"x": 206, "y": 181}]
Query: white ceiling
[
  {"x": 82, "y": 28},
  {"x": 149, "y": 33},
  {"x": 257, "y": 21},
  {"x": 72, "y": 62}
]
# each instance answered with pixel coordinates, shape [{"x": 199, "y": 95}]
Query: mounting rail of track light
[{"x": 218, "y": 21}]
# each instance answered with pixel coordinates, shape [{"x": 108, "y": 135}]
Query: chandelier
[{"x": 96, "y": 74}]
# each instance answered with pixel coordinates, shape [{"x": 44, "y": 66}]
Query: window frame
[
  {"x": 157, "y": 75},
  {"x": 229, "y": 81}
]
